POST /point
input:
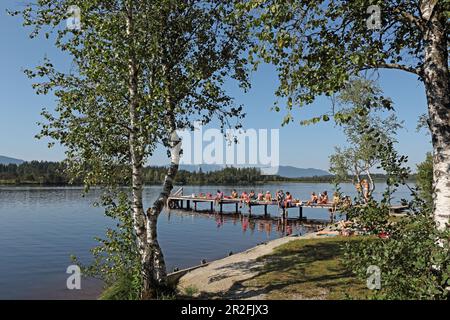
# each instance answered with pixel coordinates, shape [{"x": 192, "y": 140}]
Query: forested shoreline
[{"x": 53, "y": 173}]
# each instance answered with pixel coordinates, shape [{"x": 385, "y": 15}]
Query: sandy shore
[{"x": 218, "y": 277}]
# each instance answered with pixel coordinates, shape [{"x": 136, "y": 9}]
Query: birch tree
[
  {"x": 367, "y": 120},
  {"x": 140, "y": 71},
  {"x": 318, "y": 45}
]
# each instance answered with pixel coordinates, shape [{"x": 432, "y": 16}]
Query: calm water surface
[{"x": 41, "y": 227}]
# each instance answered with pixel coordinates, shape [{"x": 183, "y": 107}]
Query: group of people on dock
[
  {"x": 321, "y": 198},
  {"x": 284, "y": 200}
]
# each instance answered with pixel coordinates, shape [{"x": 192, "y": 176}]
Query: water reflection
[{"x": 272, "y": 227}]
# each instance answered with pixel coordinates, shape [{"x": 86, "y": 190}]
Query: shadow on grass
[{"x": 302, "y": 269}]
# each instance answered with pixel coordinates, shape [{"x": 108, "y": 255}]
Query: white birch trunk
[
  {"x": 136, "y": 155},
  {"x": 154, "y": 255},
  {"x": 436, "y": 79}
]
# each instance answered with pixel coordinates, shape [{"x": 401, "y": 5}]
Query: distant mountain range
[
  {"x": 294, "y": 172},
  {"x": 283, "y": 171},
  {"x": 7, "y": 160}
]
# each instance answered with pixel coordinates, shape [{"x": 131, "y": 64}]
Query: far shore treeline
[{"x": 53, "y": 173}]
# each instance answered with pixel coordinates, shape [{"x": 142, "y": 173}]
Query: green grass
[
  {"x": 308, "y": 269},
  {"x": 122, "y": 289},
  {"x": 190, "y": 291}
]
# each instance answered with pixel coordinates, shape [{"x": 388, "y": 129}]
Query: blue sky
[{"x": 299, "y": 146}]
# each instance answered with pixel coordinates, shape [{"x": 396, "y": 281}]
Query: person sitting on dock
[
  {"x": 313, "y": 199},
  {"x": 245, "y": 199},
  {"x": 260, "y": 196},
  {"x": 323, "y": 198},
  {"x": 234, "y": 194},
  {"x": 268, "y": 196},
  {"x": 288, "y": 199},
  {"x": 252, "y": 195}
]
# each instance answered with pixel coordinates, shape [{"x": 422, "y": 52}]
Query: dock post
[
  {"x": 195, "y": 205},
  {"x": 182, "y": 204},
  {"x": 300, "y": 212},
  {"x": 212, "y": 206},
  {"x": 249, "y": 209},
  {"x": 265, "y": 209},
  {"x": 188, "y": 204},
  {"x": 221, "y": 207},
  {"x": 236, "y": 207}
]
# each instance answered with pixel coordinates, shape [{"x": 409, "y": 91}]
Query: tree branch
[
  {"x": 385, "y": 65},
  {"x": 410, "y": 18}
]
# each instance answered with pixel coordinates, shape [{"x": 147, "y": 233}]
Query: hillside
[{"x": 7, "y": 160}]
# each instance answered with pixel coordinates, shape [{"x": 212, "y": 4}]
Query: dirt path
[{"x": 218, "y": 277}]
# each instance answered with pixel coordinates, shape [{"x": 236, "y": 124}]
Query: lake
[{"x": 42, "y": 226}]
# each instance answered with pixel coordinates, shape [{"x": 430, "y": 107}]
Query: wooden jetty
[
  {"x": 179, "y": 201},
  {"x": 186, "y": 202}
]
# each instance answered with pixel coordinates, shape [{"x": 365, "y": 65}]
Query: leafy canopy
[
  {"x": 182, "y": 52},
  {"x": 318, "y": 45}
]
